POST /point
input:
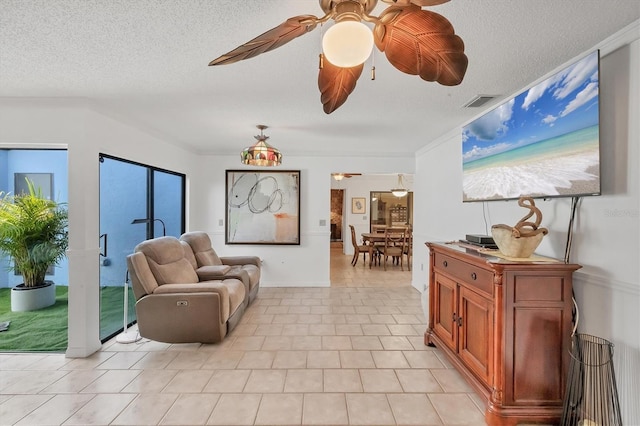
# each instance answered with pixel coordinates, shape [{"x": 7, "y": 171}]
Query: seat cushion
[
  {"x": 252, "y": 271},
  {"x": 236, "y": 294}
]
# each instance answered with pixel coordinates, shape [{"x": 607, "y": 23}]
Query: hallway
[{"x": 345, "y": 275}]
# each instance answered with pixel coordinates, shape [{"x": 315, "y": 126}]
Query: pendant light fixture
[
  {"x": 261, "y": 153},
  {"x": 400, "y": 191}
]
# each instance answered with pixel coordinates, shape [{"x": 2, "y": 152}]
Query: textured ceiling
[{"x": 144, "y": 62}]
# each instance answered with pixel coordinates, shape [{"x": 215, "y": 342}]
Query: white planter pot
[{"x": 32, "y": 298}]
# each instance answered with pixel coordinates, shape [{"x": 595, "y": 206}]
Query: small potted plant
[{"x": 33, "y": 233}]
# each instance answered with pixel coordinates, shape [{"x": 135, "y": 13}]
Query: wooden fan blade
[
  {"x": 420, "y": 42},
  {"x": 421, "y": 3},
  {"x": 272, "y": 39},
  {"x": 336, "y": 84}
]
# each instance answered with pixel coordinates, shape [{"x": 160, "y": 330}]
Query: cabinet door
[
  {"x": 444, "y": 318},
  {"x": 476, "y": 333}
]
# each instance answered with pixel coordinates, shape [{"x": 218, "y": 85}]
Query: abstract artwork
[{"x": 263, "y": 207}]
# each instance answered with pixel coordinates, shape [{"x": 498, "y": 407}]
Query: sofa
[
  {"x": 209, "y": 265},
  {"x": 174, "y": 304}
]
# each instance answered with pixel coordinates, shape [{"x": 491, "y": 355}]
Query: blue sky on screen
[{"x": 563, "y": 103}]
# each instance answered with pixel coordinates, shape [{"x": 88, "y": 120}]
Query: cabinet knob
[
  {"x": 473, "y": 276},
  {"x": 444, "y": 263}
]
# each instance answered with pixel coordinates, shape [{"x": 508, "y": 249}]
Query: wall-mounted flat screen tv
[{"x": 544, "y": 142}]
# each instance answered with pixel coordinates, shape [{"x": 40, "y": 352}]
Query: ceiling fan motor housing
[{"x": 362, "y": 5}]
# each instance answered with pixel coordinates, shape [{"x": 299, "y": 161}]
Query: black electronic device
[{"x": 480, "y": 239}]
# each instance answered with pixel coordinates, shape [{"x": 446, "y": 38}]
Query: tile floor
[{"x": 352, "y": 354}]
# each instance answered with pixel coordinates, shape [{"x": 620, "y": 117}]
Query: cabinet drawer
[{"x": 468, "y": 274}]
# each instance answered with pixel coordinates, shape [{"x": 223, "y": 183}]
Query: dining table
[{"x": 371, "y": 238}]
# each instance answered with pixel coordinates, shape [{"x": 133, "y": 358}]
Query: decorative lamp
[
  {"x": 400, "y": 191},
  {"x": 261, "y": 153},
  {"x": 147, "y": 220},
  {"x": 347, "y": 44},
  {"x": 338, "y": 176}
]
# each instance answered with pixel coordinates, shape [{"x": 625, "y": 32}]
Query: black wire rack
[{"x": 592, "y": 396}]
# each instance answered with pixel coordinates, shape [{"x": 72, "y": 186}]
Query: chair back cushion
[
  {"x": 201, "y": 245},
  {"x": 142, "y": 280},
  {"x": 188, "y": 254},
  {"x": 167, "y": 261}
]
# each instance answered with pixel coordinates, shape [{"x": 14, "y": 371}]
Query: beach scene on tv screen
[{"x": 542, "y": 143}]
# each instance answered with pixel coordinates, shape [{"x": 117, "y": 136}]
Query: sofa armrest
[
  {"x": 241, "y": 260},
  {"x": 212, "y": 272}
]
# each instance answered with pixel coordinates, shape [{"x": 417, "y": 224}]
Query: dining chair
[
  {"x": 358, "y": 248},
  {"x": 395, "y": 240},
  {"x": 408, "y": 248}
]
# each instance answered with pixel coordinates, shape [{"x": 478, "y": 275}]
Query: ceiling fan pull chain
[
  {"x": 321, "y": 55},
  {"x": 373, "y": 65}
]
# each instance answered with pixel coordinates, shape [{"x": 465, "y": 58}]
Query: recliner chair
[
  {"x": 172, "y": 304},
  {"x": 209, "y": 265}
]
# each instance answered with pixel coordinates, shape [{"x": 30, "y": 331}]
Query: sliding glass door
[{"x": 137, "y": 202}]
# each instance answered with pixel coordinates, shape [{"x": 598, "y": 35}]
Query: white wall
[
  {"x": 285, "y": 266},
  {"x": 72, "y": 124},
  {"x": 607, "y": 233}
]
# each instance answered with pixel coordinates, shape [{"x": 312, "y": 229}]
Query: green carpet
[{"x": 45, "y": 330}]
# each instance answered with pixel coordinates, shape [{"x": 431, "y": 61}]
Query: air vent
[{"x": 478, "y": 101}]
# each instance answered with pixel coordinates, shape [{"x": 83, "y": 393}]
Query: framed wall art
[
  {"x": 262, "y": 207},
  {"x": 358, "y": 205}
]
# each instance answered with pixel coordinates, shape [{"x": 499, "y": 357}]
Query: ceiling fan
[
  {"x": 415, "y": 41},
  {"x": 340, "y": 176}
]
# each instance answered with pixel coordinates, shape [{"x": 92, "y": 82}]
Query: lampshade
[
  {"x": 400, "y": 191},
  {"x": 347, "y": 44},
  {"x": 261, "y": 153}
]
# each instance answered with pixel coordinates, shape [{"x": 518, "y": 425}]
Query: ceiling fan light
[
  {"x": 338, "y": 176},
  {"x": 347, "y": 44}
]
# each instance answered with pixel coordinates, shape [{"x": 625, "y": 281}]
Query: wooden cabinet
[
  {"x": 506, "y": 326},
  {"x": 398, "y": 216}
]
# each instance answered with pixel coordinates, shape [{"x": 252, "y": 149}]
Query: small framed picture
[{"x": 358, "y": 205}]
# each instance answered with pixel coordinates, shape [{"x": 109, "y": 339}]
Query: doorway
[
  {"x": 337, "y": 208},
  {"x": 137, "y": 202}
]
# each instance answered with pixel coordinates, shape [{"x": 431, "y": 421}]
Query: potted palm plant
[{"x": 33, "y": 233}]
